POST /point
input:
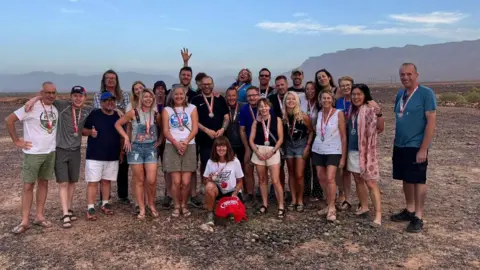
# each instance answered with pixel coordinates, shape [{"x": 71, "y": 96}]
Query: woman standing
[
  {"x": 324, "y": 82},
  {"x": 223, "y": 175},
  {"x": 363, "y": 126},
  {"x": 180, "y": 125},
  {"x": 142, "y": 149},
  {"x": 244, "y": 81},
  {"x": 137, "y": 88},
  {"x": 297, "y": 147},
  {"x": 329, "y": 149},
  {"x": 266, "y": 139},
  {"x": 310, "y": 106}
]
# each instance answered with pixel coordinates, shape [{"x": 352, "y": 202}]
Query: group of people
[{"x": 323, "y": 132}]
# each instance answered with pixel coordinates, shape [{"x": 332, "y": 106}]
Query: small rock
[
  {"x": 326, "y": 234},
  {"x": 255, "y": 236},
  {"x": 286, "y": 241}
]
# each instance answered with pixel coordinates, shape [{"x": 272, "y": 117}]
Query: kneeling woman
[
  {"x": 142, "y": 149},
  {"x": 223, "y": 175},
  {"x": 364, "y": 124},
  {"x": 266, "y": 139}
]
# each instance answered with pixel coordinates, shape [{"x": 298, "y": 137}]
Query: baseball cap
[
  {"x": 297, "y": 70},
  {"x": 106, "y": 95},
  {"x": 79, "y": 90}
]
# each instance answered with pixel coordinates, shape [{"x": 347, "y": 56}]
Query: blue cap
[{"x": 106, "y": 95}]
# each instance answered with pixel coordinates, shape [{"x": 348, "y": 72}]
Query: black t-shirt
[
  {"x": 190, "y": 94},
  {"x": 271, "y": 91},
  {"x": 277, "y": 108},
  {"x": 298, "y": 90},
  {"x": 300, "y": 131},
  {"x": 220, "y": 109},
  {"x": 233, "y": 130},
  {"x": 106, "y": 146},
  {"x": 260, "y": 135}
]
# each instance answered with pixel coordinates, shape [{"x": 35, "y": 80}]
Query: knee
[
  {"x": 28, "y": 187},
  {"x": 63, "y": 185},
  {"x": 371, "y": 184},
  {"x": 300, "y": 178},
  {"x": 211, "y": 189},
  {"x": 359, "y": 180}
]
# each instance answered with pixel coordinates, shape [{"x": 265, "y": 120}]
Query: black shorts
[
  {"x": 228, "y": 194},
  {"x": 240, "y": 152},
  {"x": 326, "y": 160},
  {"x": 405, "y": 166}
]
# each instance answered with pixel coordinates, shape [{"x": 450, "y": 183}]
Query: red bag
[{"x": 227, "y": 206}]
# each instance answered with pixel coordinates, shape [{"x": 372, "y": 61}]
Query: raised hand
[{"x": 185, "y": 55}]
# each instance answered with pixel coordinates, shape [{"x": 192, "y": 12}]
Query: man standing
[
  {"x": 103, "y": 153},
  {"x": 213, "y": 119},
  {"x": 264, "y": 77},
  {"x": 111, "y": 84},
  {"x": 415, "y": 115},
  {"x": 297, "y": 79},
  {"x": 38, "y": 145}
]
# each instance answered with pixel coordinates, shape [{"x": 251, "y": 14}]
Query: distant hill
[
  {"x": 452, "y": 61},
  {"x": 32, "y": 81}
]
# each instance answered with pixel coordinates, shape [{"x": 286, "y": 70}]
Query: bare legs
[
  {"x": 362, "y": 193},
  {"x": 296, "y": 167}
]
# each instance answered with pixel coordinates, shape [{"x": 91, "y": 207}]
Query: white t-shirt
[
  {"x": 183, "y": 114},
  {"x": 226, "y": 174},
  {"x": 332, "y": 143},
  {"x": 35, "y": 128}
]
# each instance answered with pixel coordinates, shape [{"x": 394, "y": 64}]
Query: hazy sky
[{"x": 89, "y": 36}]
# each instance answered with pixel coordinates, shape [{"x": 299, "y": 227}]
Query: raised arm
[{"x": 185, "y": 56}]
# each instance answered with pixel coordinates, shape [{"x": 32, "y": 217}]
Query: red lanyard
[
  {"x": 234, "y": 116},
  {"x": 251, "y": 112},
  {"x": 266, "y": 128},
  {"x": 49, "y": 122},
  {"x": 310, "y": 108},
  {"x": 291, "y": 128},
  {"x": 147, "y": 124},
  {"x": 322, "y": 129},
  {"x": 180, "y": 120},
  {"x": 403, "y": 106},
  {"x": 76, "y": 120},
  {"x": 209, "y": 105}
]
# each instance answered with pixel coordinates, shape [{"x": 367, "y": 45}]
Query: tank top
[
  {"x": 139, "y": 127},
  {"x": 259, "y": 135},
  {"x": 183, "y": 115},
  {"x": 296, "y": 133},
  {"x": 332, "y": 144}
]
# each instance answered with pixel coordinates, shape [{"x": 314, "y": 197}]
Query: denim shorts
[
  {"x": 142, "y": 153},
  {"x": 294, "y": 149}
]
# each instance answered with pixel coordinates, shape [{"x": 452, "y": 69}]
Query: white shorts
[
  {"x": 275, "y": 159},
  {"x": 96, "y": 170},
  {"x": 353, "y": 161}
]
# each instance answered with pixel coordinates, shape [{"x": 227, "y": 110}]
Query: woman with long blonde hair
[
  {"x": 297, "y": 145},
  {"x": 141, "y": 149}
]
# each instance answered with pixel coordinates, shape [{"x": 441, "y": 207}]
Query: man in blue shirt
[{"x": 415, "y": 115}]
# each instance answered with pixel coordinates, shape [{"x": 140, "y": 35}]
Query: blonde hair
[
  {"x": 133, "y": 98},
  {"x": 171, "y": 97},
  {"x": 150, "y": 91},
  {"x": 249, "y": 79},
  {"x": 345, "y": 78},
  {"x": 329, "y": 93},
  {"x": 298, "y": 114}
]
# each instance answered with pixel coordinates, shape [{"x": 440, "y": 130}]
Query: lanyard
[
  {"x": 291, "y": 129},
  {"x": 251, "y": 112},
  {"x": 322, "y": 123},
  {"x": 180, "y": 120},
  {"x": 266, "y": 128},
  {"x": 76, "y": 120},
  {"x": 345, "y": 107},
  {"x": 49, "y": 121},
  {"x": 402, "y": 105},
  {"x": 234, "y": 116},
  {"x": 147, "y": 124},
  {"x": 310, "y": 108},
  {"x": 209, "y": 105}
]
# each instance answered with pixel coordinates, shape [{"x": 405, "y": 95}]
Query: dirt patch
[{"x": 302, "y": 241}]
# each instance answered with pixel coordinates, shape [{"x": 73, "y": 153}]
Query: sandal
[
  {"x": 186, "y": 212},
  {"x": 176, "y": 212},
  {"x": 300, "y": 207},
  {"x": 42, "y": 223},
  {"x": 362, "y": 214},
  {"x": 281, "y": 213},
  {"x": 91, "y": 214},
  {"x": 106, "y": 209},
  {"x": 19, "y": 229},
  {"x": 261, "y": 210},
  {"x": 343, "y": 206},
  {"x": 291, "y": 207},
  {"x": 66, "y": 223},
  {"x": 331, "y": 216},
  {"x": 152, "y": 212},
  {"x": 141, "y": 217},
  {"x": 323, "y": 212},
  {"x": 73, "y": 217}
]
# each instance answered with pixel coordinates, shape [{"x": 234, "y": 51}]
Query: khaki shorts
[
  {"x": 38, "y": 166},
  {"x": 174, "y": 162},
  {"x": 275, "y": 159}
]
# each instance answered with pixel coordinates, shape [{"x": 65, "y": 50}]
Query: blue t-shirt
[
  {"x": 242, "y": 93},
  {"x": 106, "y": 146},
  {"x": 341, "y": 106},
  {"x": 410, "y": 127}
]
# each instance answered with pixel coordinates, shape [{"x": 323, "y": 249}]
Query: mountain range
[{"x": 451, "y": 61}]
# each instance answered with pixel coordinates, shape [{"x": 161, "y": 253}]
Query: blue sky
[{"x": 89, "y": 36}]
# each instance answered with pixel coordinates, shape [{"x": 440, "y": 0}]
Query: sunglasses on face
[{"x": 264, "y": 76}]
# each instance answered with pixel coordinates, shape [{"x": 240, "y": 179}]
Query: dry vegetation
[{"x": 451, "y": 239}]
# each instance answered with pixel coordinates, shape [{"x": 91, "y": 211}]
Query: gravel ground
[{"x": 451, "y": 238}]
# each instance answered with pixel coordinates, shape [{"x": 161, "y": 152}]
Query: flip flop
[
  {"x": 42, "y": 223},
  {"x": 19, "y": 229}
]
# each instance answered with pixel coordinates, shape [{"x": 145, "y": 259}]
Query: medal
[
  {"x": 76, "y": 121},
  {"x": 266, "y": 131},
  {"x": 322, "y": 138},
  {"x": 180, "y": 120},
  {"x": 353, "y": 131},
  {"x": 322, "y": 123},
  {"x": 181, "y": 128},
  {"x": 402, "y": 105},
  {"x": 209, "y": 105},
  {"x": 354, "y": 119},
  {"x": 49, "y": 121}
]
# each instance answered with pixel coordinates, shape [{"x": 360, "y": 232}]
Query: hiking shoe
[
  {"x": 195, "y": 202},
  {"x": 210, "y": 219},
  {"x": 166, "y": 202},
  {"x": 124, "y": 201},
  {"x": 415, "y": 225},
  {"x": 405, "y": 215},
  {"x": 107, "y": 209},
  {"x": 91, "y": 214}
]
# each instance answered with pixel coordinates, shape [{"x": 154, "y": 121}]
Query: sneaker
[
  {"x": 415, "y": 225},
  {"x": 107, "y": 209},
  {"x": 166, "y": 202},
  {"x": 210, "y": 219},
  {"x": 195, "y": 202},
  {"x": 125, "y": 201},
  {"x": 91, "y": 214},
  {"x": 405, "y": 215}
]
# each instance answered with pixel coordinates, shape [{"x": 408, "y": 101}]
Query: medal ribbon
[
  {"x": 209, "y": 105},
  {"x": 322, "y": 129},
  {"x": 234, "y": 116},
  {"x": 345, "y": 108},
  {"x": 75, "y": 120},
  {"x": 266, "y": 128},
  {"x": 180, "y": 120},
  {"x": 310, "y": 108},
  {"x": 49, "y": 122},
  {"x": 147, "y": 123},
  {"x": 291, "y": 128},
  {"x": 403, "y": 106},
  {"x": 251, "y": 112},
  {"x": 354, "y": 117}
]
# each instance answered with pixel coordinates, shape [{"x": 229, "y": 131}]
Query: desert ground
[{"x": 450, "y": 240}]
